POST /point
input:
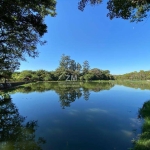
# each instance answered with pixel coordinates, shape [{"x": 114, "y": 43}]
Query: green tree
[
  {"x": 78, "y": 67},
  {"x": 15, "y": 76},
  {"x": 97, "y": 73},
  {"x": 41, "y": 74},
  {"x": 8, "y": 63},
  {"x": 81, "y": 78},
  {"x": 134, "y": 10},
  {"x": 88, "y": 76},
  {"x": 64, "y": 62},
  {"x": 35, "y": 77},
  {"x": 47, "y": 77},
  {"x": 72, "y": 65},
  {"x": 142, "y": 74},
  {"x": 22, "y": 27},
  {"x": 85, "y": 67},
  {"x": 25, "y": 74},
  {"x": 67, "y": 66}
]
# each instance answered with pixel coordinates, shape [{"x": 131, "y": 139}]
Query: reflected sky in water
[{"x": 106, "y": 120}]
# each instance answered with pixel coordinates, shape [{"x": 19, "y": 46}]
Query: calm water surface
[{"x": 86, "y": 117}]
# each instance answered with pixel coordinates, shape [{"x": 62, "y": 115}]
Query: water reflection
[
  {"x": 98, "y": 120},
  {"x": 68, "y": 95},
  {"x": 143, "y": 85},
  {"x": 15, "y": 134},
  {"x": 46, "y": 86},
  {"x": 68, "y": 92},
  {"x": 86, "y": 93}
]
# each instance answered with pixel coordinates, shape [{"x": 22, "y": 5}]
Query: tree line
[
  {"x": 141, "y": 75},
  {"x": 68, "y": 69}
]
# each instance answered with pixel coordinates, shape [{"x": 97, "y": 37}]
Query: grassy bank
[
  {"x": 143, "y": 143},
  {"x": 13, "y": 85}
]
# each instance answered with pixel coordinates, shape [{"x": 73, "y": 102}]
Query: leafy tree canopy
[
  {"x": 21, "y": 28},
  {"x": 22, "y": 25},
  {"x": 134, "y": 10}
]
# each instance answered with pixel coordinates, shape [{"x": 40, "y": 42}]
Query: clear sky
[{"x": 116, "y": 45}]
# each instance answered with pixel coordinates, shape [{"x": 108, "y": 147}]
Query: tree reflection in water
[
  {"x": 68, "y": 95},
  {"x": 86, "y": 93},
  {"x": 15, "y": 134},
  {"x": 68, "y": 91}
]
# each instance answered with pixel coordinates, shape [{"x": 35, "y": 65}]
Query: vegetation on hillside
[{"x": 141, "y": 75}]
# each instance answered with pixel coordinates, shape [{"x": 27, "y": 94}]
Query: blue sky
[{"x": 116, "y": 45}]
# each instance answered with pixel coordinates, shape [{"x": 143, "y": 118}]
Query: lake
[{"x": 71, "y": 116}]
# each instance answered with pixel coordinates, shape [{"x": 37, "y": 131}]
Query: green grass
[{"x": 143, "y": 143}]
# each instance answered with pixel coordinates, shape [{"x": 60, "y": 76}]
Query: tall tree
[
  {"x": 64, "y": 62},
  {"x": 78, "y": 67},
  {"x": 85, "y": 67},
  {"x": 22, "y": 26},
  {"x": 67, "y": 66},
  {"x": 72, "y": 65}
]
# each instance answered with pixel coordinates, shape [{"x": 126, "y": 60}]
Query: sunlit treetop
[{"x": 133, "y": 10}]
